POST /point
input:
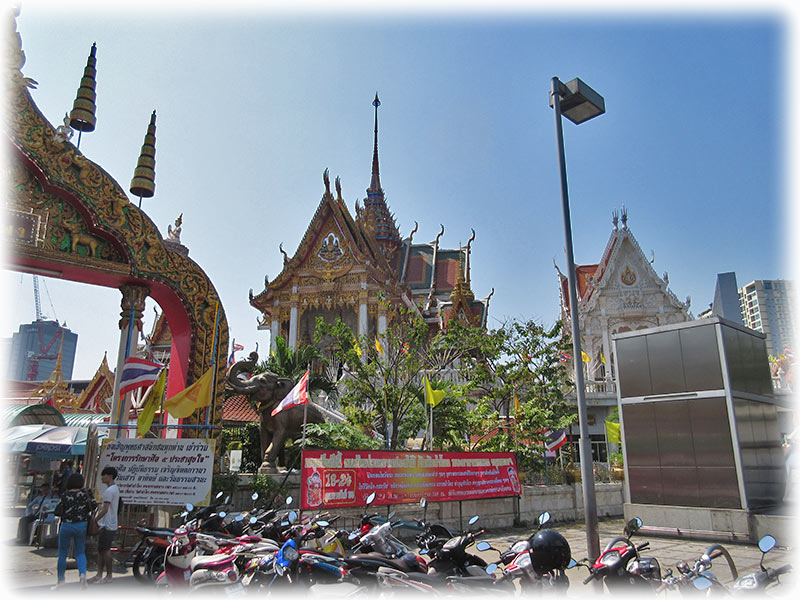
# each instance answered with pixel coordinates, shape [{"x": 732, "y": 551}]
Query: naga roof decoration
[{"x": 97, "y": 395}]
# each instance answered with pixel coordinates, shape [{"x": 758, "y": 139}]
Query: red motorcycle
[{"x": 621, "y": 567}]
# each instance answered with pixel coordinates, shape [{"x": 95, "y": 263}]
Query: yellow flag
[
  {"x": 357, "y": 347},
  {"x": 432, "y": 397},
  {"x": 151, "y": 402},
  {"x": 585, "y": 357},
  {"x": 378, "y": 346},
  {"x": 602, "y": 358},
  {"x": 612, "y": 432},
  {"x": 197, "y": 395},
  {"x": 516, "y": 403}
]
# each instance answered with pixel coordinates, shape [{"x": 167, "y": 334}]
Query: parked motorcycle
[
  {"x": 538, "y": 562},
  {"x": 765, "y": 577},
  {"x": 620, "y": 566}
]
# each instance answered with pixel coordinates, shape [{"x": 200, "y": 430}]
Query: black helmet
[{"x": 549, "y": 551}]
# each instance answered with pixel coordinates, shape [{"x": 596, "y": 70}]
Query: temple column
[
  {"x": 363, "y": 322},
  {"x": 382, "y": 323},
  {"x": 133, "y": 297},
  {"x": 607, "y": 350},
  {"x": 294, "y": 317},
  {"x": 274, "y": 332}
]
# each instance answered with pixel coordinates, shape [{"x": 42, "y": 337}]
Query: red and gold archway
[{"x": 67, "y": 217}]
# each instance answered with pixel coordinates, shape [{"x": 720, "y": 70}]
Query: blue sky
[{"x": 253, "y": 105}]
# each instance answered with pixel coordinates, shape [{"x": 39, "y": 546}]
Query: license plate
[{"x": 237, "y": 589}]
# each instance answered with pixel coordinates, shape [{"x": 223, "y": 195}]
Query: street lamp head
[{"x": 579, "y": 102}]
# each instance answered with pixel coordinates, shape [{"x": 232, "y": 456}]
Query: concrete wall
[{"x": 564, "y": 502}]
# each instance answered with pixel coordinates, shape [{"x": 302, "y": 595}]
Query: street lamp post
[{"x": 578, "y": 102}]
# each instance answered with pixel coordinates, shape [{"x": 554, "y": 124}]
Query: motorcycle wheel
[
  {"x": 155, "y": 566},
  {"x": 139, "y": 569}
]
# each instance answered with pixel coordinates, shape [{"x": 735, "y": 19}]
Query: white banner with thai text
[{"x": 167, "y": 472}]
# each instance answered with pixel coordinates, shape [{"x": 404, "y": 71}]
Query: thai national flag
[
  {"x": 236, "y": 348},
  {"x": 555, "y": 439},
  {"x": 138, "y": 372},
  {"x": 297, "y": 396}
]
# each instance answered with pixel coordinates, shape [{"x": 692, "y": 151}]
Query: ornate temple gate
[{"x": 67, "y": 218}]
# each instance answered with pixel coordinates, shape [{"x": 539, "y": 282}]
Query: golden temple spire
[
  {"x": 143, "y": 183},
  {"x": 84, "y": 108}
]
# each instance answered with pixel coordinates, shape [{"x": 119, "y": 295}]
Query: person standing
[
  {"x": 107, "y": 520},
  {"x": 75, "y": 509}
]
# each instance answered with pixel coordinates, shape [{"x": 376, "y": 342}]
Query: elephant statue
[{"x": 267, "y": 390}]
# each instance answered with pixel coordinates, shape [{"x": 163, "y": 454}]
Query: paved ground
[{"x": 30, "y": 572}]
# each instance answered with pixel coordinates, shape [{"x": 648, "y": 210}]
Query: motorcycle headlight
[{"x": 290, "y": 554}]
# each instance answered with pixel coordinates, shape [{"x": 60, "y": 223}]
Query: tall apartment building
[
  {"x": 34, "y": 351},
  {"x": 767, "y": 306}
]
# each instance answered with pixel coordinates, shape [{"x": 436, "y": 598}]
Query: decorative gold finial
[
  {"x": 143, "y": 183},
  {"x": 82, "y": 116}
]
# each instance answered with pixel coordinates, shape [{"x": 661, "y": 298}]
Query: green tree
[
  {"x": 382, "y": 383},
  {"x": 292, "y": 364}
]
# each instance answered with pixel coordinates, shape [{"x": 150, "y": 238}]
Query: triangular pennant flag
[
  {"x": 585, "y": 357},
  {"x": 378, "y": 346},
  {"x": 296, "y": 396},
  {"x": 432, "y": 397},
  {"x": 602, "y": 358},
  {"x": 197, "y": 395},
  {"x": 151, "y": 403}
]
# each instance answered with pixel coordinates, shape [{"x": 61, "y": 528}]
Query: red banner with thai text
[{"x": 344, "y": 478}]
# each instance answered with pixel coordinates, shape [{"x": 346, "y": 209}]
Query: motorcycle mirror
[
  {"x": 701, "y": 583},
  {"x": 227, "y": 499},
  {"x": 483, "y": 546},
  {"x": 292, "y": 517},
  {"x": 254, "y": 496},
  {"x": 543, "y": 518},
  {"x": 189, "y": 507},
  {"x": 633, "y": 526},
  {"x": 279, "y": 569},
  {"x": 572, "y": 563},
  {"x": 491, "y": 568},
  {"x": 390, "y": 516},
  {"x": 767, "y": 543},
  {"x": 218, "y": 496},
  {"x": 323, "y": 523},
  {"x": 423, "y": 502},
  {"x": 473, "y": 520},
  {"x": 253, "y": 520},
  {"x": 370, "y": 499},
  {"x": 223, "y": 514},
  {"x": 289, "y": 500}
]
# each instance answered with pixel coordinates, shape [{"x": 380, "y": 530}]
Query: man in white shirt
[{"x": 107, "y": 520}]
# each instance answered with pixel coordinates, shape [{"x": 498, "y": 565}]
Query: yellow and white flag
[
  {"x": 197, "y": 395},
  {"x": 585, "y": 357},
  {"x": 151, "y": 402}
]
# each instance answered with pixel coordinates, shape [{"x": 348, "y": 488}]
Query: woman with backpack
[{"x": 75, "y": 509}]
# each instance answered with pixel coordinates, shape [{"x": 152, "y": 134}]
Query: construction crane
[{"x": 45, "y": 350}]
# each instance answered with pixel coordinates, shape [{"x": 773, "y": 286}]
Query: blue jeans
[{"x": 75, "y": 532}]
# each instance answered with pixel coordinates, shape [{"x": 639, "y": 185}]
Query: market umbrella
[
  {"x": 17, "y": 437},
  {"x": 59, "y": 442}
]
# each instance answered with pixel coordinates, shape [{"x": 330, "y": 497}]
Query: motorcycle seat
[
  {"x": 206, "y": 561},
  {"x": 377, "y": 559}
]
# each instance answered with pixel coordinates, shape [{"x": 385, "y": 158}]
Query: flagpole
[
  {"x": 305, "y": 408},
  {"x": 213, "y": 370}
]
